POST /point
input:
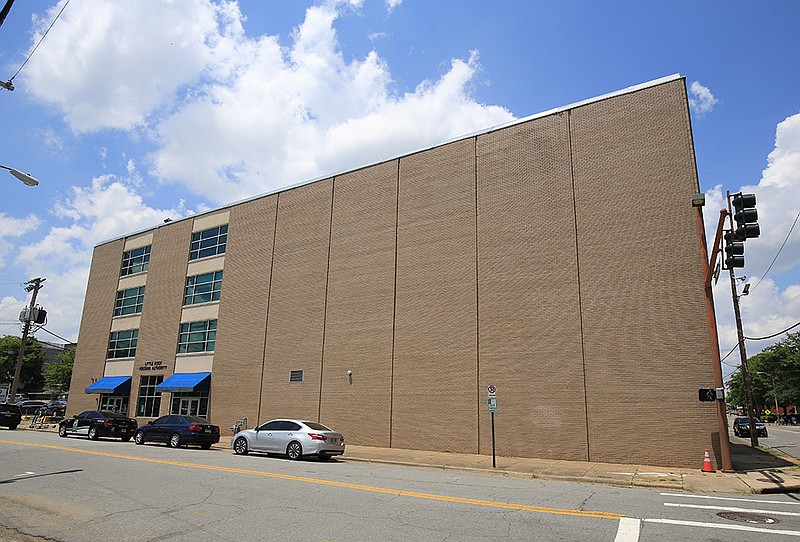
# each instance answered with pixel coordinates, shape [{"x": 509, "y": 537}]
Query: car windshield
[{"x": 317, "y": 426}]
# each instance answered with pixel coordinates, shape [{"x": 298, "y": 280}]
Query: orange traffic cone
[{"x": 707, "y": 466}]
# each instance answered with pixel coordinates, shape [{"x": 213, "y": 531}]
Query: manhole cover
[{"x": 747, "y": 517}]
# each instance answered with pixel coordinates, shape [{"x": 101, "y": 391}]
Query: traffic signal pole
[
  {"x": 33, "y": 285},
  {"x": 716, "y": 363}
]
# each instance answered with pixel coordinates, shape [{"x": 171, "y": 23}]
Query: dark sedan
[
  {"x": 741, "y": 427},
  {"x": 98, "y": 423},
  {"x": 178, "y": 431}
]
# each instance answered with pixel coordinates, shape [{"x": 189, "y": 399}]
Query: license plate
[
  {"x": 334, "y": 440},
  {"x": 207, "y": 430}
]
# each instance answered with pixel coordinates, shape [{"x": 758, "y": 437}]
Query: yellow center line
[{"x": 399, "y": 492}]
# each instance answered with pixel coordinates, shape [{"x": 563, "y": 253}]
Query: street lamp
[{"x": 24, "y": 177}]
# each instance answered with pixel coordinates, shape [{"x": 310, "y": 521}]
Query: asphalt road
[
  {"x": 785, "y": 438},
  {"x": 75, "y": 490}
]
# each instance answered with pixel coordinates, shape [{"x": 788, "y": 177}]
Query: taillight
[
  {"x": 195, "y": 428},
  {"x": 341, "y": 438},
  {"x": 317, "y": 436},
  {"x": 215, "y": 429},
  {"x": 108, "y": 423},
  {"x": 135, "y": 423}
]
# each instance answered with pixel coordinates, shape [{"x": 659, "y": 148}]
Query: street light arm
[{"x": 24, "y": 177}]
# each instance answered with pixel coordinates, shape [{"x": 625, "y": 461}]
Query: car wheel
[
  {"x": 138, "y": 438},
  {"x": 62, "y": 431},
  {"x": 240, "y": 446},
  {"x": 92, "y": 433},
  {"x": 174, "y": 440},
  {"x": 125, "y": 439},
  {"x": 294, "y": 450},
  {"x": 205, "y": 446}
]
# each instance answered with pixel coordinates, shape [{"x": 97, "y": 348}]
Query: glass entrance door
[{"x": 189, "y": 406}]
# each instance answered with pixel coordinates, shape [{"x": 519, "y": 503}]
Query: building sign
[{"x": 153, "y": 366}]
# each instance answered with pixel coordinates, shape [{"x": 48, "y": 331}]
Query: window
[
  {"x": 202, "y": 288},
  {"x": 209, "y": 242},
  {"x": 190, "y": 404},
  {"x": 122, "y": 344},
  {"x": 296, "y": 376},
  {"x": 135, "y": 261},
  {"x": 114, "y": 403},
  {"x": 129, "y": 301},
  {"x": 197, "y": 337},
  {"x": 149, "y": 399}
]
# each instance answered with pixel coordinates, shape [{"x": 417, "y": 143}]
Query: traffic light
[
  {"x": 734, "y": 251},
  {"x": 746, "y": 217}
]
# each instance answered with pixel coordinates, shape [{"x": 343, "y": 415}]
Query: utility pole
[
  {"x": 748, "y": 387},
  {"x": 746, "y": 219},
  {"x": 33, "y": 285}
]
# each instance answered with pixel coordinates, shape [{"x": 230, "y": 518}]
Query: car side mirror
[{"x": 74, "y": 416}]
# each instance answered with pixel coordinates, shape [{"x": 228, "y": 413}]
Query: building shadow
[{"x": 745, "y": 458}]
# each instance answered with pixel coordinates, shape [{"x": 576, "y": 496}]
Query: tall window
[
  {"x": 149, "y": 403},
  {"x": 202, "y": 288},
  {"x": 197, "y": 337},
  {"x": 209, "y": 242},
  {"x": 129, "y": 301},
  {"x": 135, "y": 261},
  {"x": 122, "y": 344}
]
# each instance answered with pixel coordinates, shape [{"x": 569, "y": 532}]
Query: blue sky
[{"x": 132, "y": 111}]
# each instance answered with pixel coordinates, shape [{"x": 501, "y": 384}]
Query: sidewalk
[{"x": 756, "y": 470}]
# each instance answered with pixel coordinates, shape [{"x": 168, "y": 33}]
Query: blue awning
[
  {"x": 186, "y": 382},
  {"x": 114, "y": 385}
]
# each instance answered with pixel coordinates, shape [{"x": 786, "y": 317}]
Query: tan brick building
[{"x": 556, "y": 258}]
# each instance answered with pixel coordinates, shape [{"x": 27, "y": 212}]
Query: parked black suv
[{"x": 10, "y": 415}]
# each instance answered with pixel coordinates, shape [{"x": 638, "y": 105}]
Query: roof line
[{"x": 574, "y": 105}]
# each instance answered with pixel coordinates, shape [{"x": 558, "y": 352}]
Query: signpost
[{"x": 492, "y": 391}]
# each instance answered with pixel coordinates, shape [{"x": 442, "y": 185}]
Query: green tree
[
  {"x": 58, "y": 375},
  {"x": 31, "y": 371},
  {"x": 774, "y": 374}
]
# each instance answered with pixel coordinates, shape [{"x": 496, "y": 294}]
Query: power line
[
  {"x": 40, "y": 41},
  {"x": 778, "y": 254},
  {"x": 54, "y": 335},
  {"x": 773, "y": 335}
]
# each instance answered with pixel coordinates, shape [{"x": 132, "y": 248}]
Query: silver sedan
[{"x": 294, "y": 438}]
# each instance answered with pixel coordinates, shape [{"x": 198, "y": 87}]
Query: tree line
[{"x": 774, "y": 375}]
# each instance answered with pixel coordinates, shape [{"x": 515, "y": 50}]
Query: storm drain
[{"x": 747, "y": 517}]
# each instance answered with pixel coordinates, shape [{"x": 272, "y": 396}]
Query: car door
[
  {"x": 284, "y": 435},
  {"x": 80, "y": 425},
  {"x": 264, "y": 436},
  {"x": 158, "y": 429}
]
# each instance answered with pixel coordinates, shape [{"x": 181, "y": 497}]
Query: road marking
[
  {"x": 628, "y": 530},
  {"x": 723, "y": 526},
  {"x": 24, "y": 474},
  {"x": 398, "y": 492},
  {"x": 732, "y": 509},
  {"x": 727, "y": 498}
]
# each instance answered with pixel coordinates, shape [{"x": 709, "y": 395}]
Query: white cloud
[
  {"x": 700, "y": 98},
  {"x": 110, "y": 64},
  {"x": 11, "y": 227},
  {"x": 773, "y": 304},
  {"x": 233, "y": 116},
  {"x": 108, "y": 208},
  {"x": 391, "y": 5}
]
